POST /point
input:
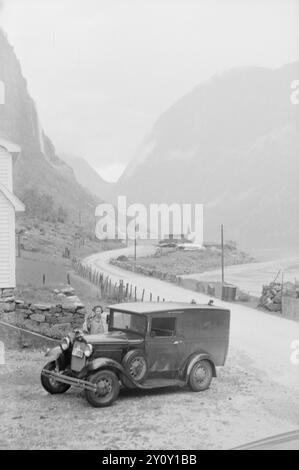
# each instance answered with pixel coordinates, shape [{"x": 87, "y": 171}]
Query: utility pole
[
  {"x": 222, "y": 254},
  {"x": 135, "y": 244},
  {"x": 18, "y": 245},
  {"x": 282, "y": 286}
]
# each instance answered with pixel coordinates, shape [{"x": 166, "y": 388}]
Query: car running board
[{"x": 161, "y": 383}]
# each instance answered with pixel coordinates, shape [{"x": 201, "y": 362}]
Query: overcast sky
[{"x": 101, "y": 71}]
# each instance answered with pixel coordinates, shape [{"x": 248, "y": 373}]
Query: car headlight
[
  {"x": 88, "y": 350},
  {"x": 65, "y": 343}
]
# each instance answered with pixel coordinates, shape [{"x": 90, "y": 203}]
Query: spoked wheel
[
  {"x": 201, "y": 376},
  {"x": 107, "y": 388},
  {"x": 136, "y": 366},
  {"x": 50, "y": 384}
]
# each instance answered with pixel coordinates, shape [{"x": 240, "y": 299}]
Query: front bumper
[{"x": 66, "y": 379}]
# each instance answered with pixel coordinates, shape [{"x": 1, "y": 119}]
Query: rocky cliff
[{"x": 38, "y": 171}]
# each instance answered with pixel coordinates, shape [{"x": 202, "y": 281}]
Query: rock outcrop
[{"x": 38, "y": 168}]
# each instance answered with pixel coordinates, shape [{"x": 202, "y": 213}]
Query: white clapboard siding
[
  {"x": 7, "y": 243},
  {"x": 6, "y": 169},
  {"x": 2, "y": 92}
]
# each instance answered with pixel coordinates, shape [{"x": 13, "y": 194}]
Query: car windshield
[{"x": 128, "y": 321}]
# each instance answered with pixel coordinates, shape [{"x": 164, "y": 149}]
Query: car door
[{"x": 163, "y": 345}]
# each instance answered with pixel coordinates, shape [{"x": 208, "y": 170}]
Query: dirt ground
[{"x": 242, "y": 405}]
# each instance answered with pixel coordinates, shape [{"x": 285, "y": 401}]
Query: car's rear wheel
[
  {"x": 50, "y": 384},
  {"x": 136, "y": 366},
  {"x": 107, "y": 388},
  {"x": 201, "y": 376}
]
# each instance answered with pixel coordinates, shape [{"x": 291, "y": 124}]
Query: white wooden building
[{"x": 9, "y": 205}]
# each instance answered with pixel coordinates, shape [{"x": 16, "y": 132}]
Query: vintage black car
[{"x": 148, "y": 345}]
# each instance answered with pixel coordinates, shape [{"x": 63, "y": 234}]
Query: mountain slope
[
  {"x": 233, "y": 145},
  {"x": 88, "y": 177},
  {"x": 38, "y": 167}
]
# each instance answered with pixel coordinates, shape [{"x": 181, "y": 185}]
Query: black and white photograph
[{"x": 149, "y": 227}]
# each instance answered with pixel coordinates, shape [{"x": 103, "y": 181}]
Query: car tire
[
  {"x": 136, "y": 366},
  {"x": 108, "y": 384},
  {"x": 49, "y": 384},
  {"x": 201, "y": 376}
]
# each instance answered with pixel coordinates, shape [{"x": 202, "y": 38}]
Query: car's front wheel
[
  {"x": 107, "y": 388},
  {"x": 201, "y": 376},
  {"x": 50, "y": 384}
]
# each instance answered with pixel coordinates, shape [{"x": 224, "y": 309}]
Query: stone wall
[
  {"x": 290, "y": 307},
  {"x": 17, "y": 338},
  {"x": 52, "y": 320},
  {"x": 7, "y": 300},
  {"x": 145, "y": 271}
]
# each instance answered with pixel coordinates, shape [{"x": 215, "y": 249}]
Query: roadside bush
[
  {"x": 243, "y": 297},
  {"x": 122, "y": 258}
]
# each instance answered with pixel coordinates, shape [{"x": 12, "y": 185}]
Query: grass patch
[{"x": 180, "y": 262}]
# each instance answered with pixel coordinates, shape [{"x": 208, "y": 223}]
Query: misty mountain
[
  {"x": 38, "y": 169},
  {"x": 233, "y": 145},
  {"x": 88, "y": 177}
]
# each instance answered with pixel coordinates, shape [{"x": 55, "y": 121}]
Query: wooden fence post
[{"x": 120, "y": 291}]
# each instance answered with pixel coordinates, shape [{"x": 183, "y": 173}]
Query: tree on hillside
[{"x": 42, "y": 206}]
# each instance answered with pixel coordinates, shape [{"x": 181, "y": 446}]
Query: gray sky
[{"x": 101, "y": 71}]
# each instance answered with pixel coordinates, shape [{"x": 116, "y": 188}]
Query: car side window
[{"x": 163, "y": 326}]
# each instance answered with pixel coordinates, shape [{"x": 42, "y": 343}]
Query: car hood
[{"x": 114, "y": 337}]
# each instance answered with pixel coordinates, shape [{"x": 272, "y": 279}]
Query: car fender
[
  {"x": 54, "y": 353},
  {"x": 196, "y": 358},
  {"x": 105, "y": 362}
]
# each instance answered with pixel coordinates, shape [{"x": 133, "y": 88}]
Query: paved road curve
[{"x": 266, "y": 340}]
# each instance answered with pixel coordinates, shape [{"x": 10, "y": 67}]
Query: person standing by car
[{"x": 93, "y": 323}]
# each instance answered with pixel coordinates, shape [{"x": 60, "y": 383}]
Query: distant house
[
  {"x": 175, "y": 236},
  {"x": 9, "y": 205}
]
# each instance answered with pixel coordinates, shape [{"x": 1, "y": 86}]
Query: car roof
[{"x": 143, "y": 308}]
